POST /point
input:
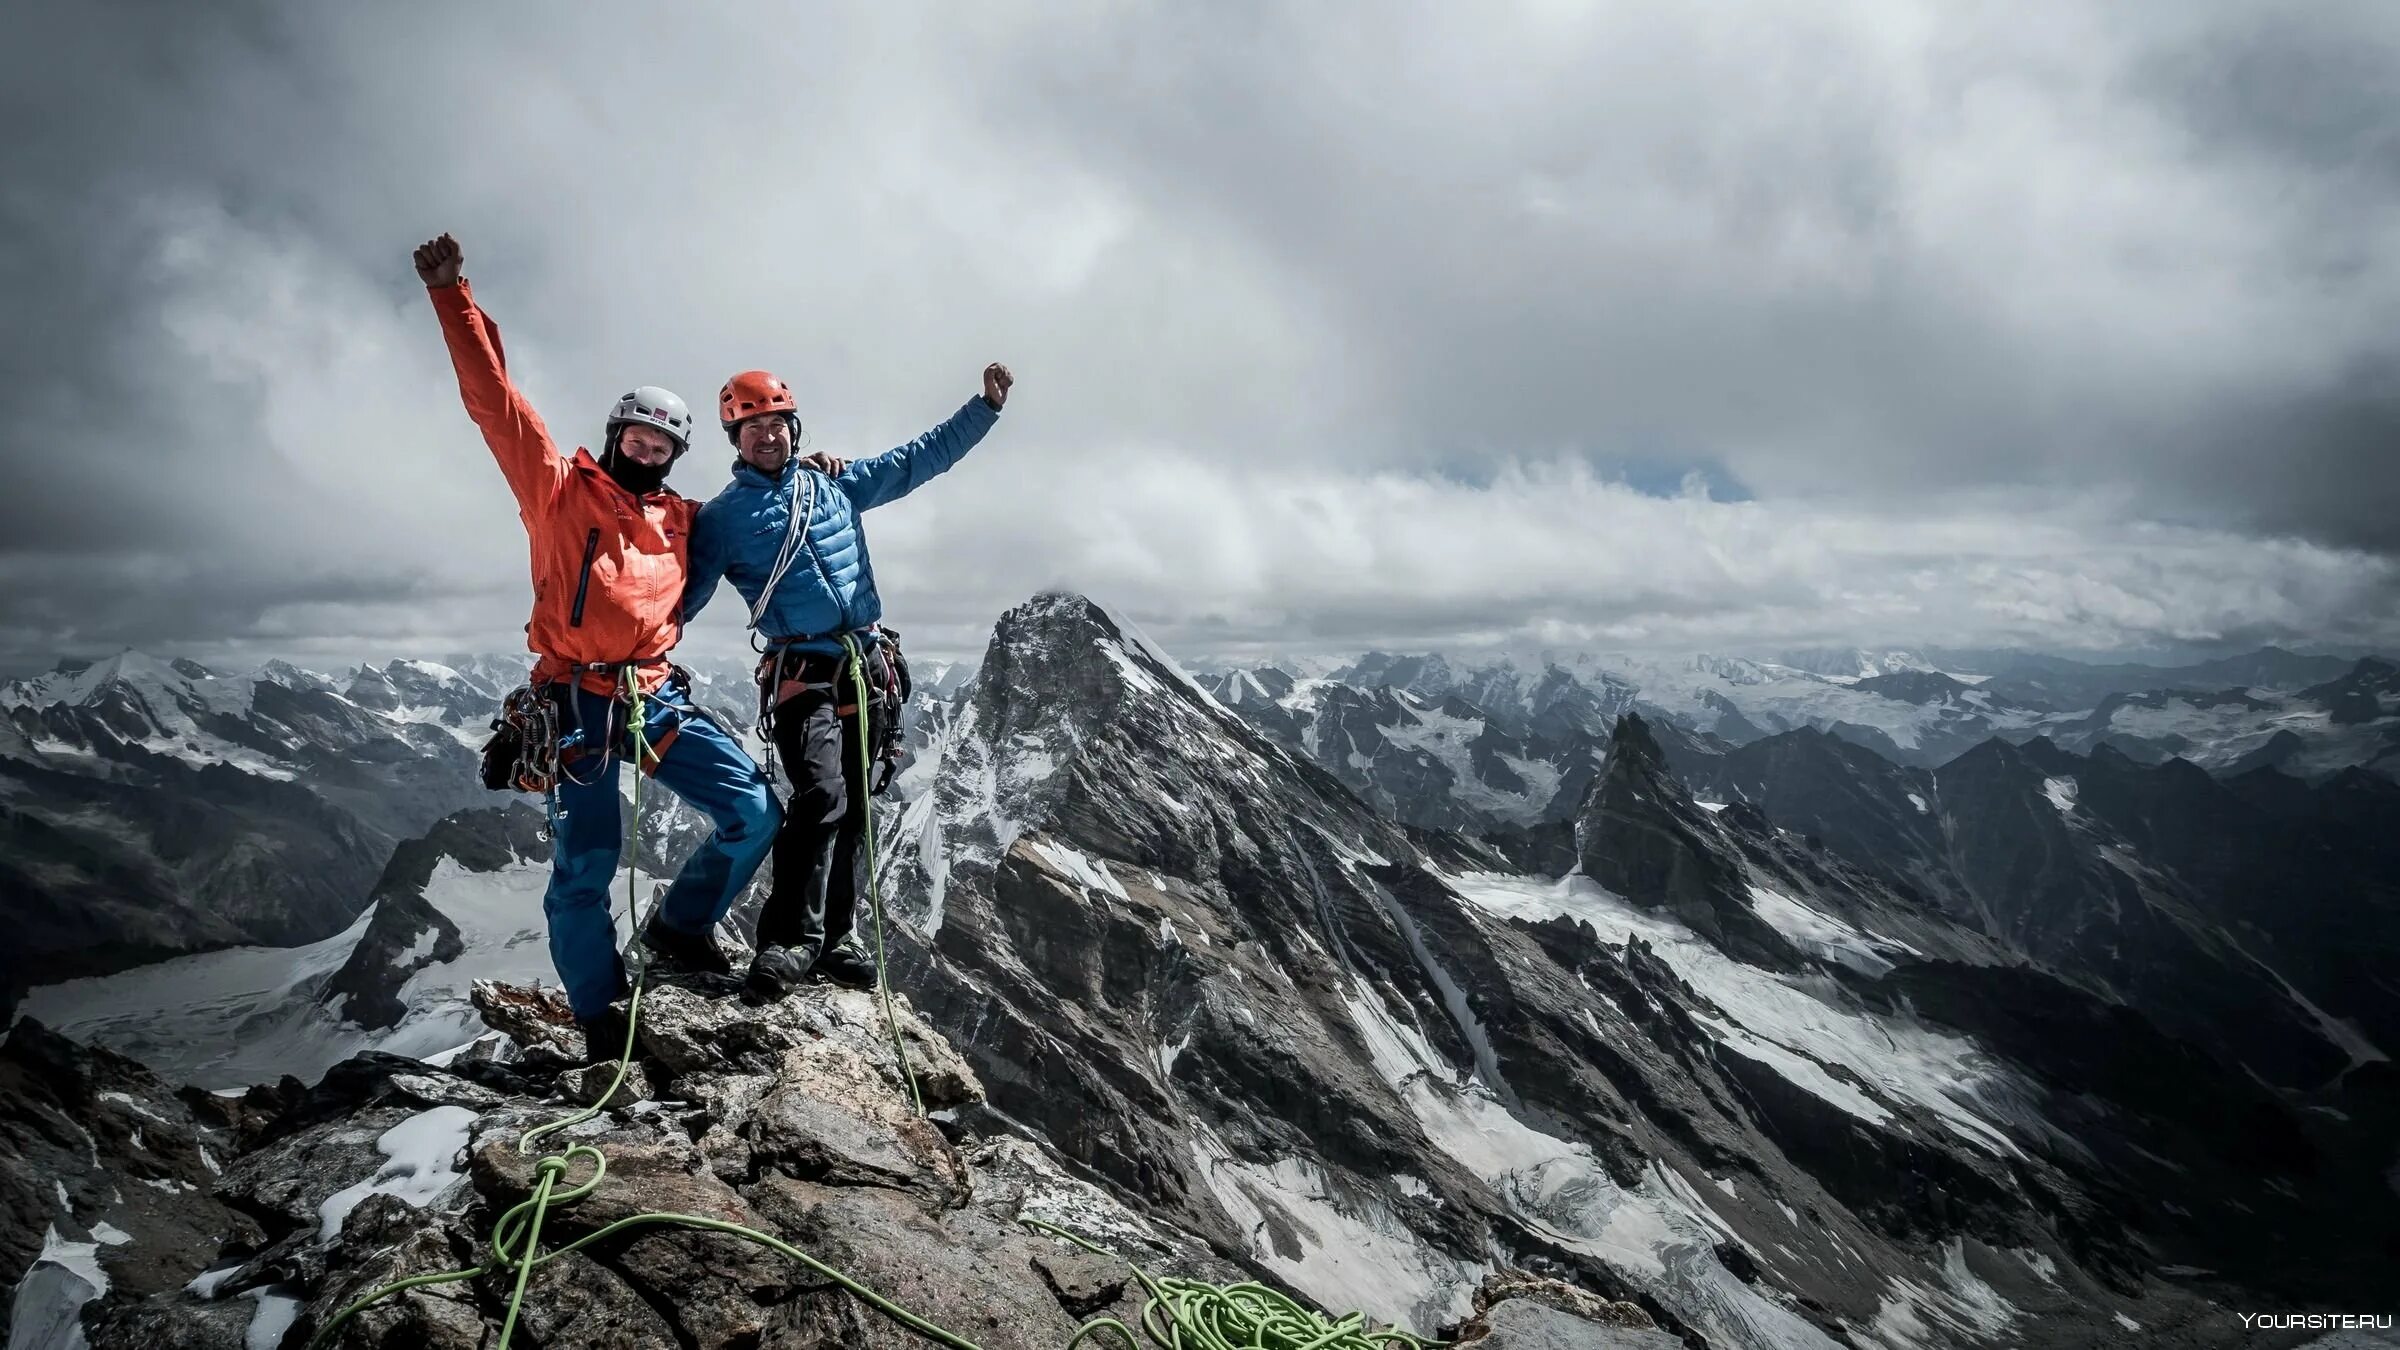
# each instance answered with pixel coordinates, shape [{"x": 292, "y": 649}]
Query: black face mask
[{"x": 635, "y": 477}]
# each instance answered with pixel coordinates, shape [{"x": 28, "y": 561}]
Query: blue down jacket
[{"x": 829, "y": 588}]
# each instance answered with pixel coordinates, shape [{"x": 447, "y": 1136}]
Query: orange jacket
[{"x": 608, "y": 567}]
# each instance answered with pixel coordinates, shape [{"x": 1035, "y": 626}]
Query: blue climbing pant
[{"x": 696, "y": 760}]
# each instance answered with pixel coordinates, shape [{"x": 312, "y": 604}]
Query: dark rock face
[
  {"x": 1923, "y": 687},
  {"x": 96, "y": 1151},
  {"x": 2163, "y": 885},
  {"x": 2366, "y": 694},
  {"x": 2246, "y": 914},
  {"x": 156, "y": 809},
  {"x": 1880, "y": 815},
  {"x": 483, "y": 841},
  {"x": 1186, "y": 956},
  {"x": 2169, "y": 1119},
  {"x": 1645, "y": 839},
  {"x": 109, "y": 873},
  {"x": 1435, "y": 749}
]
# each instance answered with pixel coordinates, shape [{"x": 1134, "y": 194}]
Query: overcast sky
[{"x": 1730, "y": 327}]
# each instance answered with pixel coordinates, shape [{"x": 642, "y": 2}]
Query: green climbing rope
[
  {"x": 1182, "y": 1314},
  {"x": 1179, "y": 1314},
  {"x": 866, "y": 776}
]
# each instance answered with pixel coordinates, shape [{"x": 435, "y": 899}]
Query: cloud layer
[{"x": 2069, "y": 327}]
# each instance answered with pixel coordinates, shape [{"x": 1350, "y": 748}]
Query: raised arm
[
  {"x": 510, "y": 426},
  {"x": 903, "y": 469}
]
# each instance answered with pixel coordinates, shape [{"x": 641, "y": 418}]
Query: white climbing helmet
[{"x": 656, "y": 407}]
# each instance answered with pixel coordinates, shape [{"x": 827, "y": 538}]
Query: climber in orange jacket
[{"x": 609, "y": 549}]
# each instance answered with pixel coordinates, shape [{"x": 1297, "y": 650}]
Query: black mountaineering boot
[
  {"x": 674, "y": 952},
  {"x": 604, "y": 1036},
  {"x": 775, "y": 972},
  {"x": 847, "y": 963}
]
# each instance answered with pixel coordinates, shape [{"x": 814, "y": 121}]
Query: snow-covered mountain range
[
  {"x": 1449, "y": 746},
  {"x": 155, "y": 807},
  {"x": 1665, "y": 980}
]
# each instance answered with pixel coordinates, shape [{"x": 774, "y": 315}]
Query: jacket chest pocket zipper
[{"x": 583, "y": 584}]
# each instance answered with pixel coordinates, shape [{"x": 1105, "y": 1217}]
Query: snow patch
[
  {"x": 1133, "y": 634},
  {"x": 1169, "y": 1052},
  {"x": 1798, "y": 1070},
  {"x": 1344, "y": 1251},
  {"x": 80, "y": 1258},
  {"x": 1914, "y": 1316},
  {"x": 2061, "y": 792},
  {"x": 1823, "y": 934},
  {"x": 274, "y": 1317},
  {"x": 418, "y": 1154},
  {"x": 46, "y": 1308},
  {"x": 419, "y": 949},
  {"x": 1974, "y": 1094},
  {"x": 1399, "y": 1052},
  {"x": 1077, "y": 866},
  {"x": 1662, "y": 1231},
  {"x": 127, "y": 1101},
  {"x": 1449, "y": 742},
  {"x": 208, "y": 1282},
  {"x": 1919, "y": 803}
]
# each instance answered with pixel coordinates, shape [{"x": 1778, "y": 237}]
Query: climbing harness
[
  {"x": 528, "y": 749},
  {"x": 1179, "y": 1314},
  {"x": 891, "y": 700}
]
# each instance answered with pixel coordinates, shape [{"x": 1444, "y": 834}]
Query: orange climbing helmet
[{"x": 753, "y": 392}]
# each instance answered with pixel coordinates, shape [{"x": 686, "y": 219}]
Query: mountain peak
[
  {"x": 1635, "y": 743},
  {"x": 1052, "y": 640}
]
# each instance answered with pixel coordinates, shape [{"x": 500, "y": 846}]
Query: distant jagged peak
[
  {"x": 78, "y": 681},
  {"x": 1059, "y": 645}
]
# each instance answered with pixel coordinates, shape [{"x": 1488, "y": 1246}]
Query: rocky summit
[{"x": 235, "y": 1221}]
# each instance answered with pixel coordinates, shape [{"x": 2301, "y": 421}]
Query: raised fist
[
  {"x": 438, "y": 261},
  {"x": 996, "y": 381}
]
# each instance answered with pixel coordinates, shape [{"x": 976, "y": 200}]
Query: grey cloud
[
  {"x": 1743, "y": 233},
  {"x": 1868, "y": 262}
]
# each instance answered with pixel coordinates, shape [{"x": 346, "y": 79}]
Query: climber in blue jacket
[{"x": 791, "y": 540}]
